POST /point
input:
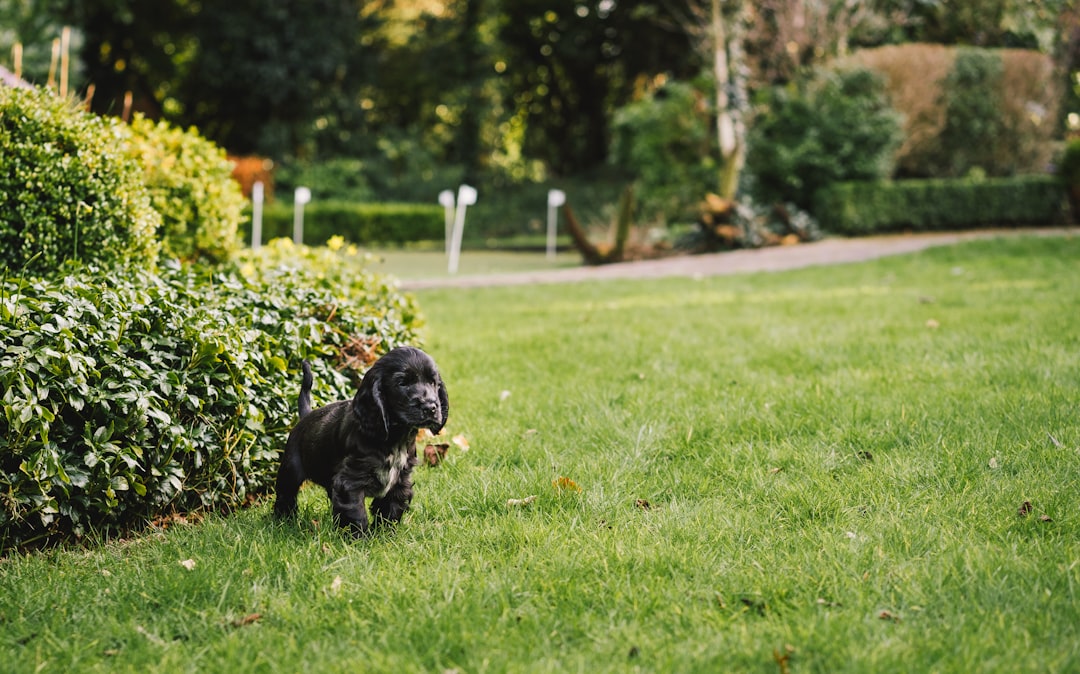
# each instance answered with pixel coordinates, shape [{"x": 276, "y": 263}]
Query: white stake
[
  {"x": 300, "y": 197},
  {"x": 556, "y": 198},
  {"x": 466, "y": 197},
  {"x": 256, "y": 214}
]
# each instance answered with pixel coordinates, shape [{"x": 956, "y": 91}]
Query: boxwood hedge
[
  {"x": 360, "y": 223},
  {"x": 919, "y": 205},
  {"x": 67, "y": 191},
  {"x": 130, "y": 396}
]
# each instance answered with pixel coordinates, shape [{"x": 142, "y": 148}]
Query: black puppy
[{"x": 365, "y": 446}]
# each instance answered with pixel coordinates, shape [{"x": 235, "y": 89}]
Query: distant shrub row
[
  {"x": 934, "y": 204},
  {"x": 360, "y": 223},
  {"x": 130, "y": 396}
]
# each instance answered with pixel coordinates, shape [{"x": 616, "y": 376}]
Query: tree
[{"x": 568, "y": 63}]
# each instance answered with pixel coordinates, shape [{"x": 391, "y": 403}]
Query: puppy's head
[{"x": 402, "y": 390}]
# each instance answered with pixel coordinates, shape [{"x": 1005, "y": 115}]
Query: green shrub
[
  {"x": 838, "y": 126},
  {"x": 357, "y": 223},
  {"x": 67, "y": 191},
  {"x": 191, "y": 186},
  {"x": 994, "y": 109},
  {"x": 663, "y": 140},
  {"x": 1069, "y": 171},
  {"x": 870, "y": 207},
  {"x": 126, "y": 397},
  {"x": 972, "y": 113}
]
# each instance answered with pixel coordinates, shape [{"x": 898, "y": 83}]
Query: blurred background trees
[{"x": 410, "y": 96}]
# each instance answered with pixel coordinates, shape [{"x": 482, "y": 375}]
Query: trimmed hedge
[
  {"x": 964, "y": 203},
  {"x": 130, "y": 396},
  {"x": 363, "y": 224},
  {"x": 67, "y": 190},
  {"x": 191, "y": 186}
]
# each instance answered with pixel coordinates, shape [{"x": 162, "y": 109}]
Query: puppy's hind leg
[{"x": 290, "y": 477}]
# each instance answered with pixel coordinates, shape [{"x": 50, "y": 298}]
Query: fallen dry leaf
[
  {"x": 865, "y": 456},
  {"x": 335, "y": 586},
  {"x": 247, "y": 620},
  {"x": 774, "y": 471},
  {"x": 643, "y": 504},
  {"x": 433, "y": 454},
  {"x": 424, "y": 434},
  {"x": 461, "y": 441},
  {"x": 518, "y": 502},
  {"x": 781, "y": 660},
  {"x": 888, "y": 615},
  {"x": 188, "y": 564},
  {"x": 1025, "y": 509},
  {"x": 1045, "y": 518},
  {"x": 993, "y": 463},
  {"x": 1054, "y": 440},
  {"x": 504, "y": 395},
  {"x": 931, "y": 323},
  {"x": 565, "y": 484}
]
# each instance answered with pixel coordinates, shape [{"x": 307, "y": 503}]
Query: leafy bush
[
  {"x": 1069, "y": 171},
  {"x": 1003, "y": 104},
  {"x": 972, "y": 117},
  {"x": 664, "y": 141},
  {"x": 836, "y": 127},
  {"x": 129, "y": 396},
  {"x": 67, "y": 191},
  {"x": 357, "y": 223},
  {"x": 191, "y": 186},
  {"x": 870, "y": 207}
]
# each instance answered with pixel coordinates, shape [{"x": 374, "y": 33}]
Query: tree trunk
[{"x": 727, "y": 45}]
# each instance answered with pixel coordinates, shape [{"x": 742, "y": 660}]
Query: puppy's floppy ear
[
  {"x": 444, "y": 405},
  {"x": 368, "y": 406}
]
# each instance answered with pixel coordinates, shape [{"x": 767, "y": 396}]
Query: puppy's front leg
[
  {"x": 390, "y": 508},
  {"x": 347, "y": 501}
]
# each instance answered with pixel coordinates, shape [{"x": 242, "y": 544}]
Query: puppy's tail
[{"x": 305, "y": 390}]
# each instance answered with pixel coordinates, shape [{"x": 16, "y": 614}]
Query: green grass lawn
[{"x": 822, "y": 470}]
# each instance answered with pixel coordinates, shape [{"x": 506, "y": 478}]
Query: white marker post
[
  {"x": 300, "y": 197},
  {"x": 556, "y": 198},
  {"x": 466, "y": 197},
  {"x": 446, "y": 200},
  {"x": 256, "y": 214}
]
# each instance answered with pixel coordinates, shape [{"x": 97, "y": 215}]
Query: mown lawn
[{"x": 865, "y": 468}]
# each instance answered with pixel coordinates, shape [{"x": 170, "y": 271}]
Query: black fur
[{"x": 365, "y": 446}]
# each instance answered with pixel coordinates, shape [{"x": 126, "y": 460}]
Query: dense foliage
[
  {"x": 838, "y": 126},
  {"x": 663, "y": 140},
  {"x": 129, "y": 396},
  {"x": 67, "y": 191},
  {"x": 190, "y": 185},
  {"x": 992, "y": 110},
  {"x": 962, "y": 203}
]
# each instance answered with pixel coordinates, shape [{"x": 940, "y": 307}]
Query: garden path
[{"x": 824, "y": 252}]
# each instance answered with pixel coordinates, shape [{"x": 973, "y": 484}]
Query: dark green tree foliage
[
  {"x": 264, "y": 68},
  {"x": 569, "y": 62},
  {"x": 136, "y": 46},
  {"x": 838, "y": 126}
]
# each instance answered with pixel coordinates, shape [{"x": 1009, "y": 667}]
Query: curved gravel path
[{"x": 779, "y": 258}]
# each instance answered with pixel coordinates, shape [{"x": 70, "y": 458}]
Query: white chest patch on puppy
[{"x": 390, "y": 473}]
